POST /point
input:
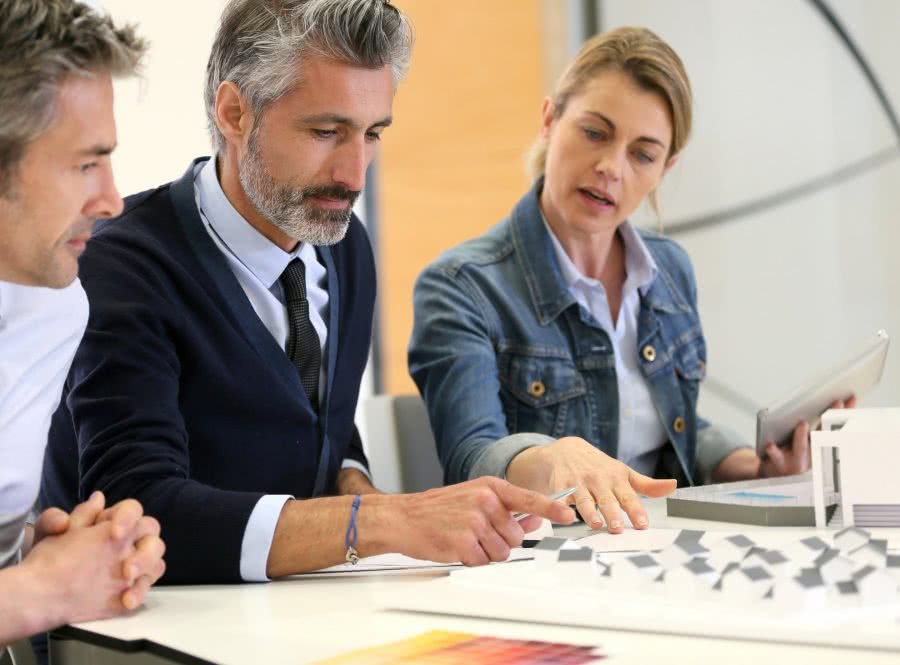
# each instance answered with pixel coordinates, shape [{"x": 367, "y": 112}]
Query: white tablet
[{"x": 855, "y": 376}]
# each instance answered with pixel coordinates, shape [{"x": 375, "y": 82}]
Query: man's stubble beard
[{"x": 288, "y": 208}]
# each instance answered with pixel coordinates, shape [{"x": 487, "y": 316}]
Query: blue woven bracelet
[{"x": 350, "y": 539}]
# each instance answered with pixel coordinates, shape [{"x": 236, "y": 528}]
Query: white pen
[{"x": 553, "y": 497}]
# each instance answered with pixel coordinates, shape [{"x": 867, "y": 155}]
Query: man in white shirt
[{"x": 57, "y": 59}]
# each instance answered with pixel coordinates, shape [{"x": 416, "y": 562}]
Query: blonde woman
[{"x": 564, "y": 347}]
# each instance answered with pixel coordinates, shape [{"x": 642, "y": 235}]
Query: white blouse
[{"x": 641, "y": 432}]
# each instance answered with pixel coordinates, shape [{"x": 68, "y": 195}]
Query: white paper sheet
[
  {"x": 383, "y": 562},
  {"x": 391, "y": 563},
  {"x": 630, "y": 540}
]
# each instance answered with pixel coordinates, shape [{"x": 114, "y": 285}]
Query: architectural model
[{"x": 854, "y": 460}]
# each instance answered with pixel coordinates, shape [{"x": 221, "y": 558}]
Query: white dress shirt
[
  {"x": 641, "y": 432},
  {"x": 257, "y": 263},
  {"x": 40, "y": 329}
]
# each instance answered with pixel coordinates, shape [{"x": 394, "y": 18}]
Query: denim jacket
[{"x": 506, "y": 359}]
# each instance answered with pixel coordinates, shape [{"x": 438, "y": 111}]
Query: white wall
[
  {"x": 779, "y": 101},
  {"x": 161, "y": 121}
]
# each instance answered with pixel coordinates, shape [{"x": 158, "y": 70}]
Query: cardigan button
[
  {"x": 537, "y": 388},
  {"x": 678, "y": 425},
  {"x": 649, "y": 353}
]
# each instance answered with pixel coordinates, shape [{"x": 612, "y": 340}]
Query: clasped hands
[{"x": 95, "y": 561}]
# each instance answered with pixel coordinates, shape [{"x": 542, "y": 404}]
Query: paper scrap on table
[
  {"x": 630, "y": 540},
  {"x": 386, "y": 563},
  {"x": 382, "y": 562}
]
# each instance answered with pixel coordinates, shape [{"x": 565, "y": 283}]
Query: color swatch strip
[{"x": 438, "y": 647}]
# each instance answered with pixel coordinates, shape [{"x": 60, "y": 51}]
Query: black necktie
[{"x": 303, "y": 343}]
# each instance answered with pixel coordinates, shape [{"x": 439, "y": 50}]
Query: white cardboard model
[
  {"x": 763, "y": 584},
  {"x": 854, "y": 461},
  {"x": 577, "y": 566},
  {"x": 772, "y": 560},
  {"x": 546, "y": 551},
  {"x": 849, "y": 539},
  {"x": 876, "y": 586},
  {"x": 723, "y": 551},
  {"x": 834, "y": 567},
  {"x": 742, "y": 584},
  {"x": 806, "y": 550},
  {"x": 681, "y": 552},
  {"x": 805, "y": 591},
  {"x": 635, "y": 570},
  {"x": 689, "y": 579},
  {"x": 873, "y": 553}
]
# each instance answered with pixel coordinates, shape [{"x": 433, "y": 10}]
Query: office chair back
[{"x": 402, "y": 453}]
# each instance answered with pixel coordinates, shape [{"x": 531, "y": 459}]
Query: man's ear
[{"x": 233, "y": 116}]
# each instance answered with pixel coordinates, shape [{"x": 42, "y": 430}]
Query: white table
[{"x": 300, "y": 620}]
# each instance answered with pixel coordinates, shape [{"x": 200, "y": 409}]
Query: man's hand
[
  {"x": 144, "y": 564},
  {"x": 470, "y": 522},
  {"x": 51, "y": 522},
  {"x": 354, "y": 481},
  {"x": 603, "y": 482},
  {"x": 78, "y": 574},
  {"x": 141, "y": 563},
  {"x": 54, "y": 521}
]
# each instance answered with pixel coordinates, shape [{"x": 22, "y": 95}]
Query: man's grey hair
[
  {"x": 43, "y": 43},
  {"x": 260, "y": 44}
]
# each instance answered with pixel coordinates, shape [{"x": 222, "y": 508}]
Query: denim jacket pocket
[
  {"x": 689, "y": 361},
  {"x": 538, "y": 391}
]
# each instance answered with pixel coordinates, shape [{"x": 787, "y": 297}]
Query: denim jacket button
[
  {"x": 678, "y": 425},
  {"x": 537, "y": 388},
  {"x": 649, "y": 353}
]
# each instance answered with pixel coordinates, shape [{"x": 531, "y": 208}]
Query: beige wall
[
  {"x": 160, "y": 117},
  {"x": 452, "y": 164}
]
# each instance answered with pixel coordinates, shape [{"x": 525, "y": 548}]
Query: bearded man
[{"x": 231, "y": 315}]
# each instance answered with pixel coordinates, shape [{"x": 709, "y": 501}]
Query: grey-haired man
[
  {"x": 231, "y": 314},
  {"x": 56, "y": 132}
]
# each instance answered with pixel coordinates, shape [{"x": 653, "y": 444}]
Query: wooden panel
[{"x": 453, "y": 163}]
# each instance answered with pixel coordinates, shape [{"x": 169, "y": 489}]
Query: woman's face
[{"x": 606, "y": 153}]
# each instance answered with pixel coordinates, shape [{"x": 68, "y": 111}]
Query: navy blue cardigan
[{"x": 181, "y": 398}]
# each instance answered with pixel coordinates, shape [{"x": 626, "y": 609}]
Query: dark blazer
[{"x": 181, "y": 398}]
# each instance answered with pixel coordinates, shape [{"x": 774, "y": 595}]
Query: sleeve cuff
[
  {"x": 258, "y": 537},
  {"x": 496, "y": 457},
  {"x": 714, "y": 444},
  {"x": 353, "y": 464}
]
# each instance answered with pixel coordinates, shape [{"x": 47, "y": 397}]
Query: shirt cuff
[
  {"x": 714, "y": 444},
  {"x": 258, "y": 536},
  {"x": 353, "y": 464},
  {"x": 496, "y": 456}
]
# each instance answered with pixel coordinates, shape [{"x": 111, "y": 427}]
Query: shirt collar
[
  {"x": 640, "y": 267},
  {"x": 258, "y": 254}
]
